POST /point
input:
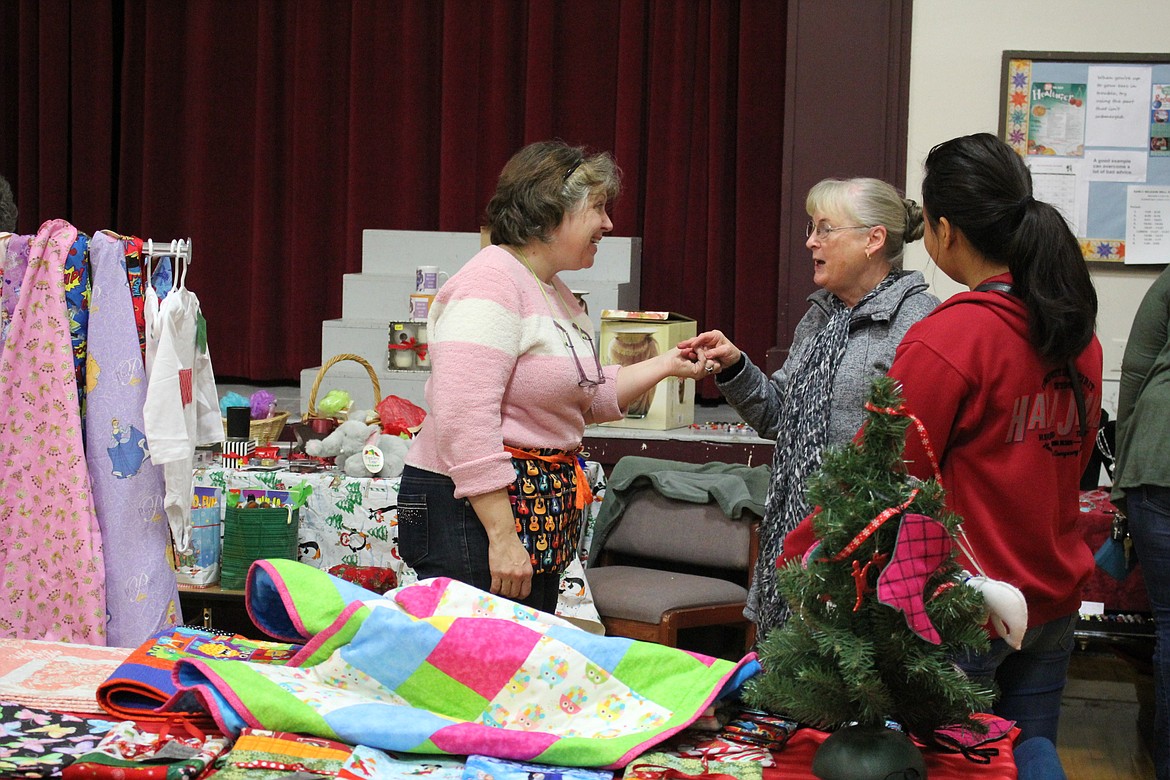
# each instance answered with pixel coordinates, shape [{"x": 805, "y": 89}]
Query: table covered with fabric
[
  {"x": 347, "y": 520},
  {"x": 1095, "y": 521},
  {"x": 673, "y": 685}
]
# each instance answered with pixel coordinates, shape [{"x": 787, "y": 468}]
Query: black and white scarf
[{"x": 803, "y": 433}]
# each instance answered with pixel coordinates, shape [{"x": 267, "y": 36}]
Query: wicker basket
[
  {"x": 312, "y": 413},
  {"x": 266, "y": 430}
]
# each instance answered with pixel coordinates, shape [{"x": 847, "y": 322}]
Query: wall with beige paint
[{"x": 955, "y": 59}]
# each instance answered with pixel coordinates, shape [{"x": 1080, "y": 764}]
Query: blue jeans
[
  {"x": 1031, "y": 680},
  {"x": 441, "y": 536},
  {"x": 1148, "y": 509},
  {"x": 1037, "y": 759}
]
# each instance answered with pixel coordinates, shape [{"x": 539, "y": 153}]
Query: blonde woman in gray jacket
[{"x": 857, "y": 235}]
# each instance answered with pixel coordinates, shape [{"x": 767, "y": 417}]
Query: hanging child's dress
[
  {"x": 4, "y": 237},
  {"x": 15, "y": 263},
  {"x": 52, "y": 579},
  {"x": 77, "y": 288},
  {"x": 182, "y": 407},
  {"x": 128, "y": 488}
]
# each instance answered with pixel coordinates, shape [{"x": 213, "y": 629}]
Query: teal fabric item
[{"x": 732, "y": 486}]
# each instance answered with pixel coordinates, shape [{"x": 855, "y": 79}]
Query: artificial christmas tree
[{"x": 880, "y": 604}]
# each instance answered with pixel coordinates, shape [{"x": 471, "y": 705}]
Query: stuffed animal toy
[{"x": 348, "y": 441}]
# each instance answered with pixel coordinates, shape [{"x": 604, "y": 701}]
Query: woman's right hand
[
  {"x": 711, "y": 348},
  {"x": 511, "y": 567},
  {"x": 508, "y": 561}
]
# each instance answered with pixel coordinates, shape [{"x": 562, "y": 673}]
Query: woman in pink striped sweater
[{"x": 493, "y": 489}]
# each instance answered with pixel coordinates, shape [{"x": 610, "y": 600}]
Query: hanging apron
[
  {"x": 52, "y": 579},
  {"x": 15, "y": 264},
  {"x": 77, "y": 287},
  {"x": 141, "y": 595}
]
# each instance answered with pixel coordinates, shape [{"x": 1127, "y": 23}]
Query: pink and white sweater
[{"x": 501, "y": 374}]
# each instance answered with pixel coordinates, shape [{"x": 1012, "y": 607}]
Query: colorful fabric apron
[
  {"x": 52, "y": 579},
  {"x": 141, "y": 595},
  {"x": 15, "y": 264},
  {"x": 547, "y": 497}
]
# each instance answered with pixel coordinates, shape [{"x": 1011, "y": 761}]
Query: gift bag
[
  {"x": 200, "y": 566},
  {"x": 253, "y": 533}
]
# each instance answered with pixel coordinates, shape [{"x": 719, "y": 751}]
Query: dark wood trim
[
  {"x": 846, "y": 113},
  {"x": 608, "y": 450}
]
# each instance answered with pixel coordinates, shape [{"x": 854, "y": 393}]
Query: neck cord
[{"x": 523, "y": 258}]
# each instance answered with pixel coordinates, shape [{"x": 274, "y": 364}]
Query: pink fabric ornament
[{"x": 923, "y": 544}]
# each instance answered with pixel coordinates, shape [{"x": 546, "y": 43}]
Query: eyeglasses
[
  {"x": 582, "y": 380},
  {"x": 823, "y": 229}
]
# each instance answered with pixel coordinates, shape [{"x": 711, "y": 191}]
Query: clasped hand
[{"x": 707, "y": 353}]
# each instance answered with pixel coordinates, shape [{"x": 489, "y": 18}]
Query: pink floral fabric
[{"x": 52, "y": 581}]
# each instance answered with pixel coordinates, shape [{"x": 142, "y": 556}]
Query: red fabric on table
[
  {"x": 794, "y": 762},
  {"x": 1095, "y": 521}
]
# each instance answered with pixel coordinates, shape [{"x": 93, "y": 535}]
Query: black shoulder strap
[
  {"x": 1079, "y": 394},
  {"x": 1003, "y": 287}
]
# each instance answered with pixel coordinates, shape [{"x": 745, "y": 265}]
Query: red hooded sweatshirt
[{"x": 1004, "y": 426}]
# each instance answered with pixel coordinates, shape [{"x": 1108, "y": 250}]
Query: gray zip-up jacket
[{"x": 875, "y": 331}]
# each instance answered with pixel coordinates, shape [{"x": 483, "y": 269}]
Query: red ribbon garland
[
  {"x": 901, "y": 412},
  {"x": 872, "y": 526},
  {"x": 877, "y": 522}
]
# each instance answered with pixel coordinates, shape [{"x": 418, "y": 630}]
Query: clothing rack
[{"x": 179, "y": 249}]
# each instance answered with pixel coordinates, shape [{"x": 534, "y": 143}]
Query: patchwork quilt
[{"x": 439, "y": 667}]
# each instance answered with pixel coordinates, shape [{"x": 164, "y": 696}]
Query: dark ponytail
[{"x": 984, "y": 189}]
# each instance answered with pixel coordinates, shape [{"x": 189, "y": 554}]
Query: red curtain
[{"x": 272, "y": 133}]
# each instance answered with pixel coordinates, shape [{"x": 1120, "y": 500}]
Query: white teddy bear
[{"x": 347, "y": 444}]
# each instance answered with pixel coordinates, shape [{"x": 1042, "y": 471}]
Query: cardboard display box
[{"x": 631, "y": 336}]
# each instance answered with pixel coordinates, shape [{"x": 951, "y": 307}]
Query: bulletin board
[{"x": 1094, "y": 130}]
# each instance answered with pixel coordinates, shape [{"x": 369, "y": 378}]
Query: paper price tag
[{"x": 372, "y": 458}]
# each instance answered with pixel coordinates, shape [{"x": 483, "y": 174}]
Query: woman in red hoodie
[{"x": 1006, "y": 379}]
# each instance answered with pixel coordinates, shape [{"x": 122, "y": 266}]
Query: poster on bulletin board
[{"x": 1094, "y": 129}]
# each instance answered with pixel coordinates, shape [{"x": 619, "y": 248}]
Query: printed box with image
[{"x": 629, "y": 337}]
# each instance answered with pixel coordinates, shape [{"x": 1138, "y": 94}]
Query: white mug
[{"x": 427, "y": 279}]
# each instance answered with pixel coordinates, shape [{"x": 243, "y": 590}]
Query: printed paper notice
[
  {"x": 1116, "y": 166},
  {"x": 1060, "y": 182},
  {"x": 1118, "y": 97},
  {"x": 1056, "y": 124},
  {"x": 1147, "y": 225}
]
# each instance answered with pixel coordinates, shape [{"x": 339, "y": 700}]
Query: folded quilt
[
  {"x": 143, "y": 683},
  {"x": 129, "y": 753},
  {"x": 439, "y": 667},
  {"x": 275, "y": 755},
  {"x": 56, "y": 675}
]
